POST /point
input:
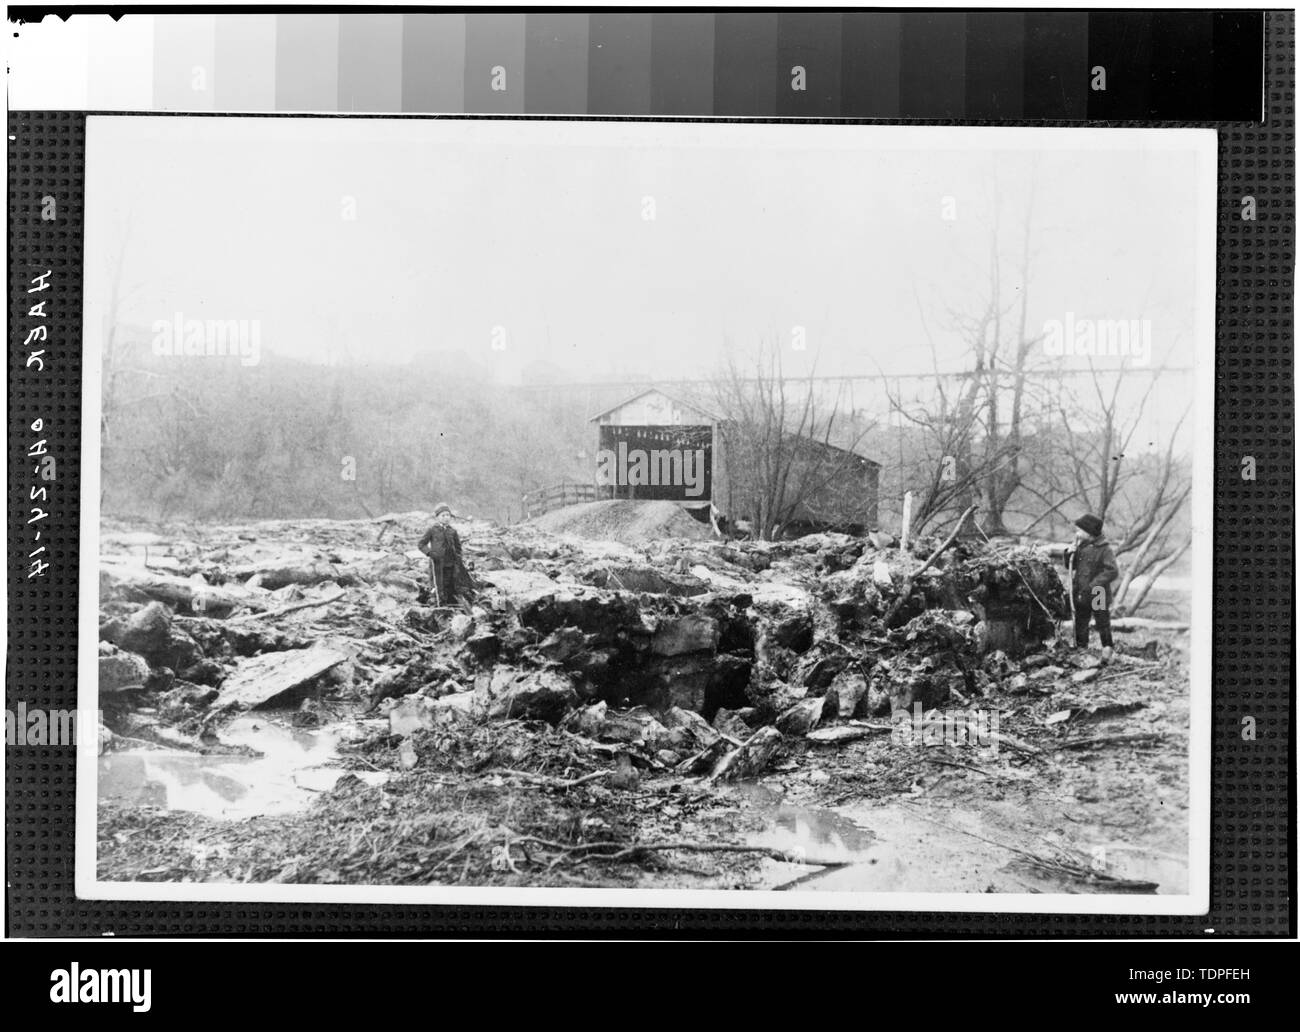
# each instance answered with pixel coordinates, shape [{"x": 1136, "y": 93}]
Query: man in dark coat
[
  {"x": 441, "y": 544},
  {"x": 1093, "y": 571}
]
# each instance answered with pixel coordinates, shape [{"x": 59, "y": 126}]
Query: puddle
[
  {"x": 296, "y": 765},
  {"x": 901, "y": 848}
]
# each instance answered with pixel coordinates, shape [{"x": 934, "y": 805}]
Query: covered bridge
[{"x": 662, "y": 445}]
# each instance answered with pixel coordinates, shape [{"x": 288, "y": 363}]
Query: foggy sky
[{"x": 464, "y": 226}]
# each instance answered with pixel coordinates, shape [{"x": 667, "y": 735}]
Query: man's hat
[
  {"x": 443, "y": 507},
  {"x": 1090, "y": 523}
]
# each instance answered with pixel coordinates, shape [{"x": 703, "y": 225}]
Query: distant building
[{"x": 661, "y": 445}]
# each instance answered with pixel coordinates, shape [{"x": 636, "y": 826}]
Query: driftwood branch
[{"x": 309, "y": 603}]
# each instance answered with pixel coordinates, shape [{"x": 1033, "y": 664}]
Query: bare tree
[
  {"x": 1141, "y": 497},
  {"x": 788, "y": 451}
]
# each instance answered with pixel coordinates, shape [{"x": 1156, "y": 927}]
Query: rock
[
  {"x": 880, "y": 575},
  {"x": 1048, "y": 673},
  {"x": 122, "y": 671},
  {"x": 205, "y": 671},
  {"x": 423, "y": 618},
  {"x": 147, "y": 631},
  {"x": 1085, "y": 676},
  {"x": 462, "y": 706},
  {"x": 800, "y": 718},
  {"x": 732, "y": 723},
  {"x": 461, "y": 626},
  {"x": 625, "y": 775},
  {"x": 150, "y": 632},
  {"x": 532, "y": 695},
  {"x": 484, "y": 647},
  {"x": 791, "y": 629},
  {"x": 605, "y": 617},
  {"x": 411, "y": 714},
  {"x": 818, "y": 675},
  {"x": 309, "y": 714},
  {"x": 644, "y": 580},
  {"x": 751, "y": 759},
  {"x": 562, "y": 645},
  {"x": 259, "y": 679},
  {"x": 185, "y": 701},
  {"x": 688, "y": 732},
  {"x": 845, "y": 695},
  {"x": 878, "y": 692},
  {"x": 160, "y": 679},
  {"x": 692, "y": 633},
  {"x": 633, "y": 727},
  {"x": 406, "y": 755},
  {"x": 217, "y": 637}
]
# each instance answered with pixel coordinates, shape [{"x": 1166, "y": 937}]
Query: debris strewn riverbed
[{"x": 281, "y": 703}]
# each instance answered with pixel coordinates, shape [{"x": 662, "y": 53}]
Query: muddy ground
[{"x": 281, "y": 703}]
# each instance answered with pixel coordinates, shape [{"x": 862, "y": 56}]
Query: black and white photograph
[{"x": 604, "y": 512}]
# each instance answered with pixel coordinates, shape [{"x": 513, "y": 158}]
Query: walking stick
[{"x": 433, "y": 584}]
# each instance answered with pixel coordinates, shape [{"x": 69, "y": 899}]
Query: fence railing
[{"x": 557, "y": 496}]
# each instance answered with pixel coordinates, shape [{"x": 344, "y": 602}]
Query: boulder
[
  {"x": 259, "y": 679},
  {"x": 800, "y": 718},
  {"x": 644, "y": 580},
  {"x": 751, "y": 759},
  {"x": 845, "y": 694},
  {"x": 636, "y": 726},
  {"x": 484, "y": 647},
  {"x": 151, "y": 633},
  {"x": 688, "y": 732},
  {"x": 788, "y": 628},
  {"x": 734, "y": 723},
  {"x": 531, "y": 695},
  {"x": 818, "y": 674},
  {"x": 562, "y": 644},
  {"x": 122, "y": 671},
  {"x": 676, "y": 636},
  {"x": 146, "y": 631}
]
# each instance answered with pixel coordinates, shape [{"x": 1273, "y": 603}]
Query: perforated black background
[{"x": 1252, "y": 867}]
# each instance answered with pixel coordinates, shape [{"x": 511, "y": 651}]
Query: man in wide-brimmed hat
[
  {"x": 441, "y": 544},
  {"x": 1092, "y": 567}
]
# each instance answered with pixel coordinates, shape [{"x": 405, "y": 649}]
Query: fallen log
[
  {"x": 194, "y": 596},
  {"x": 845, "y": 733}
]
